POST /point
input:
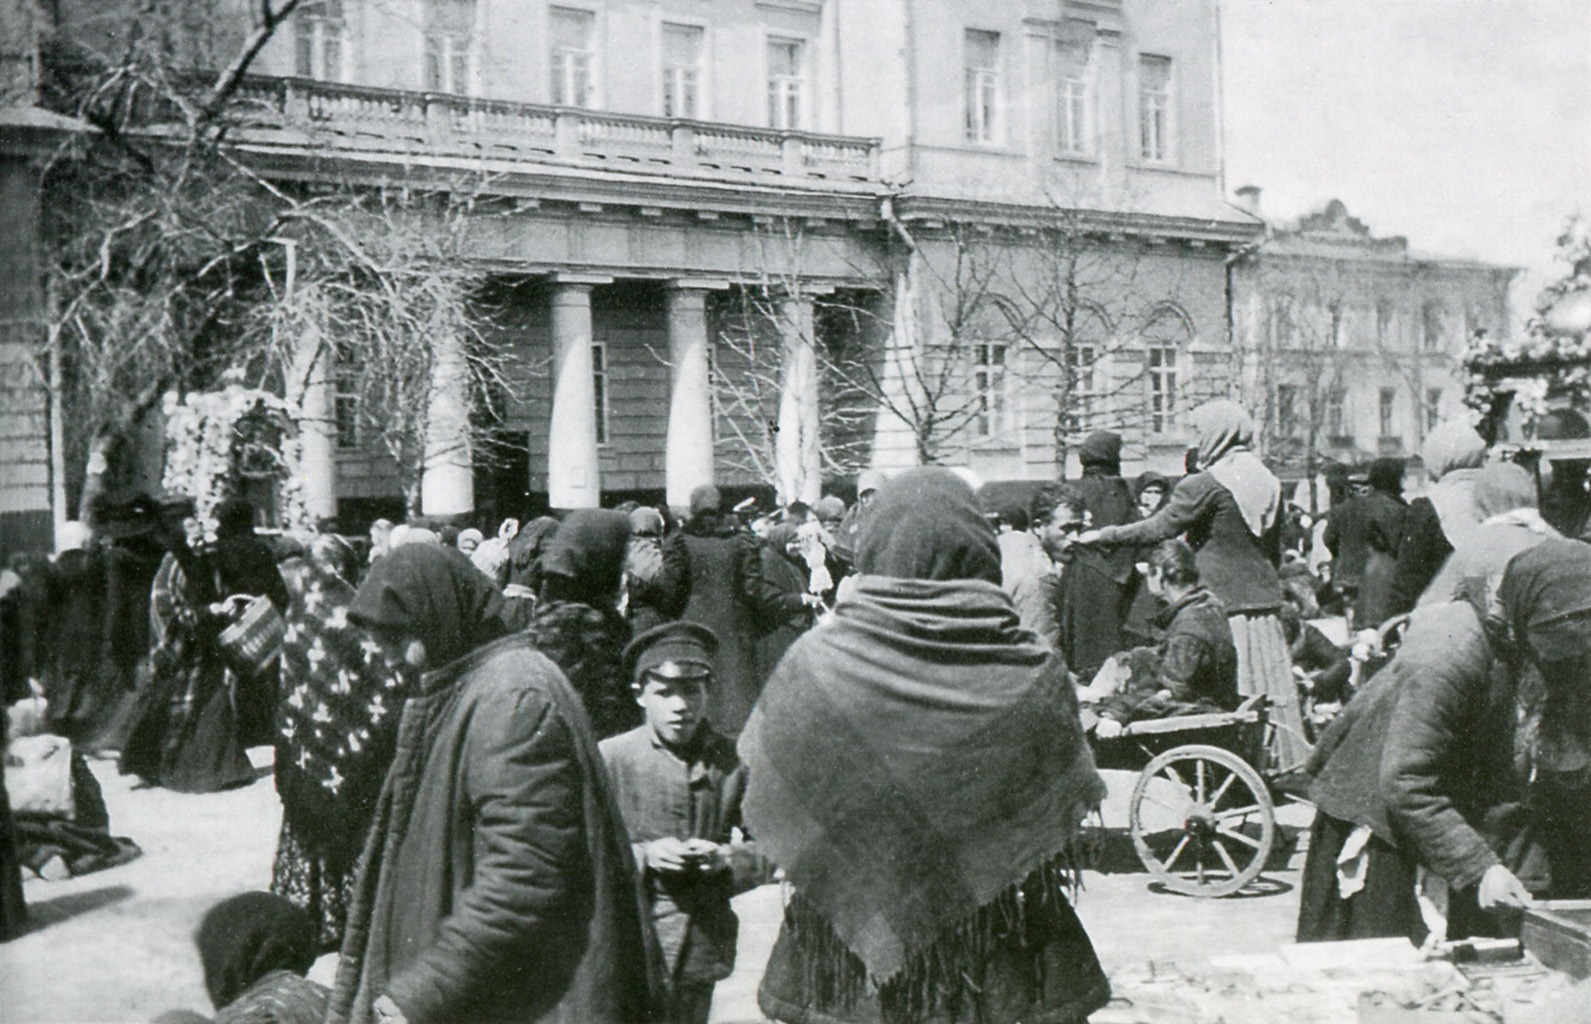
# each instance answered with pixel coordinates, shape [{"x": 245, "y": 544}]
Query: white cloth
[
  {"x": 1257, "y": 491},
  {"x": 1353, "y": 861}
]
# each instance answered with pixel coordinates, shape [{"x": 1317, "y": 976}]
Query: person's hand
[
  {"x": 1088, "y": 537},
  {"x": 1108, "y": 728},
  {"x": 705, "y": 855},
  {"x": 387, "y": 1011},
  {"x": 1163, "y": 695},
  {"x": 670, "y": 855},
  {"x": 1499, "y": 888},
  {"x": 508, "y": 530}
]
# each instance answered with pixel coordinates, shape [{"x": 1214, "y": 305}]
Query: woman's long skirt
[{"x": 1265, "y": 666}]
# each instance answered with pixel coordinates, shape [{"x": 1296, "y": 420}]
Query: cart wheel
[{"x": 1226, "y": 822}]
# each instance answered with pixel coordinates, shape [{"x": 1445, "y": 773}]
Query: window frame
[
  {"x": 1064, "y": 102},
  {"x": 558, "y": 69},
  {"x": 665, "y": 80},
  {"x": 783, "y": 87},
  {"x": 345, "y": 401},
  {"x": 313, "y": 29},
  {"x": 1162, "y": 378},
  {"x": 982, "y": 116},
  {"x": 1166, "y": 154},
  {"x": 1432, "y": 408},
  {"x": 993, "y": 400},
  {"x": 1387, "y": 412}
]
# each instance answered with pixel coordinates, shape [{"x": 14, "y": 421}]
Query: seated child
[
  {"x": 679, "y": 785},
  {"x": 1321, "y": 666},
  {"x": 1193, "y": 670},
  {"x": 256, "y": 949}
]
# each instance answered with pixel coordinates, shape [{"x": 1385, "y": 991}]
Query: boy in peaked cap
[{"x": 679, "y": 785}]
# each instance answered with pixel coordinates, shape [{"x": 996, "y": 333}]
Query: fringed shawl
[{"x": 912, "y": 763}]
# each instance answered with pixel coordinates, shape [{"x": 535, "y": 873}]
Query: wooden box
[{"x": 1558, "y": 933}]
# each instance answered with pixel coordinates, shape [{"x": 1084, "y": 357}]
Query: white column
[
  {"x": 574, "y": 475},
  {"x": 310, "y": 387},
  {"x": 797, "y": 458},
  {"x": 447, "y": 478},
  {"x": 894, "y": 431},
  {"x": 688, "y": 454}
]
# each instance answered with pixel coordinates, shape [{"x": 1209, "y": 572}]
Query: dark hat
[
  {"x": 705, "y": 498},
  {"x": 674, "y": 650}
]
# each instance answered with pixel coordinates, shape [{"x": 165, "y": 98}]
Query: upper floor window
[
  {"x": 1074, "y": 128},
  {"x": 1336, "y": 414},
  {"x": 1386, "y": 324},
  {"x": 1287, "y": 410},
  {"x": 1433, "y": 327},
  {"x": 981, "y": 53},
  {"x": 345, "y": 398},
  {"x": 449, "y": 34},
  {"x": 991, "y": 389},
  {"x": 1154, "y": 108},
  {"x": 1282, "y": 332},
  {"x": 683, "y": 46},
  {"x": 786, "y": 82},
  {"x": 573, "y": 56},
  {"x": 320, "y": 37}
]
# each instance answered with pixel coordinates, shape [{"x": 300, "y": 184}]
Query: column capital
[
  {"x": 705, "y": 284},
  {"x": 588, "y": 280}
]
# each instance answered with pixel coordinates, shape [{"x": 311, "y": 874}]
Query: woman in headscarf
[
  {"x": 1096, "y": 587},
  {"x": 524, "y": 553},
  {"x": 1227, "y": 511},
  {"x": 81, "y": 704},
  {"x": 244, "y": 564},
  {"x": 1510, "y": 522},
  {"x": 335, "y": 733},
  {"x": 497, "y": 881},
  {"x": 918, "y": 769},
  {"x": 577, "y": 622},
  {"x": 187, "y": 733},
  {"x": 1453, "y": 454},
  {"x": 256, "y": 949}
]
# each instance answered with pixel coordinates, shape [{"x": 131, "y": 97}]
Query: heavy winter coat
[
  {"x": 497, "y": 882},
  {"x": 725, "y": 583}
]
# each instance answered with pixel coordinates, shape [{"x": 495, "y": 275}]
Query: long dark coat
[
  {"x": 497, "y": 883},
  {"x": 724, "y": 584}
]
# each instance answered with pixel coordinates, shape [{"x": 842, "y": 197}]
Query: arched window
[
  {"x": 1166, "y": 339},
  {"x": 1433, "y": 327},
  {"x": 1082, "y": 407}
]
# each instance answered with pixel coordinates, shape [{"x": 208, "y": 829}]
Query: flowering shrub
[
  {"x": 217, "y": 439},
  {"x": 1553, "y": 358}
]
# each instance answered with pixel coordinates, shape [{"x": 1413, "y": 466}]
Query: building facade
[
  {"x": 1352, "y": 344},
  {"x": 769, "y": 242}
]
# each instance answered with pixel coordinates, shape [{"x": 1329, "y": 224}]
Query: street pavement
[{"x": 117, "y": 945}]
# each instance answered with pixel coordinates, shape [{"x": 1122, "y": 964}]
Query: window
[
  {"x": 1081, "y": 360},
  {"x": 981, "y": 55},
  {"x": 1433, "y": 326},
  {"x": 682, "y": 70},
  {"x": 1282, "y": 325},
  {"x": 1073, "y": 111},
  {"x": 599, "y": 388},
  {"x": 991, "y": 405},
  {"x": 449, "y": 31},
  {"x": 573, "y": 35},
  {"x": 1389, "y": 412},
  {"x": 786, "y": 81},
  {"x": 1336, "y": 417},
  {"x": 1162, "y": 388},
  {"x": 1433, "y": 407},
  {"x": 1339, "y": 324},
  {"x": 345, "y": 399},
  {"x": 1287, "y": 410},
  {"x": 319, "y": 36},
  {"x": 1154, "y": 108},
  {"x": 1386, "y": 324}
]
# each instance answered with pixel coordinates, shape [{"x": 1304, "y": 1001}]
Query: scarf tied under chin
[{"x": 917, "y": 767}]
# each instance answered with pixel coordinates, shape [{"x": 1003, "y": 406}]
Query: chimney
[{"x": 1248, "y": 199}]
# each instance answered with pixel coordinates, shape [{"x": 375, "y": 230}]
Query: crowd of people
[{"x": 522, "y": 776}]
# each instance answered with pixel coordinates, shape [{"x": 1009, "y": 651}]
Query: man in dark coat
[
  {"x": 497, "y": 882},
  {"x": 1384, "y": 512},
  {"x": 726, "y": 588},
  {"x": 1096, "y": 587},
  {"x": 1347, "y": 537}
]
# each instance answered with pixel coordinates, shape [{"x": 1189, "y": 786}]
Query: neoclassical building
[{"x": 1022, "y": 201}]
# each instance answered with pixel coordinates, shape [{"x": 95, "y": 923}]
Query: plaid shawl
[{"x": 911, "y": 763}]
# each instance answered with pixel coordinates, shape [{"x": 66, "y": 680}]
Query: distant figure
[
  {"x": 1384, "y": 514},
  {"x": 679, "y": 785},
  {"x": 1510, "y": 522},
  {"x": 1096, "y": 589},
  {"x": 1347, "y": 537},
  {"x": 657, "y": 575}
]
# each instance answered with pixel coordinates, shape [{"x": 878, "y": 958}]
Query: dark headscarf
[
  {"x": 1101, "y": 450},
  {"x": 433, "y": 594},
  {"x": 246, "y": 937},
  {"x": 926, "y": 525},
  {"x": 524, "y": 551},
  {"x": 1150, "y": 479},
  {"x": 1386, "y": 476},
  {"x": 585, "y": 558},
  {"x": 234, "y": 517},
  {"x": 1546, "y": 595}
]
